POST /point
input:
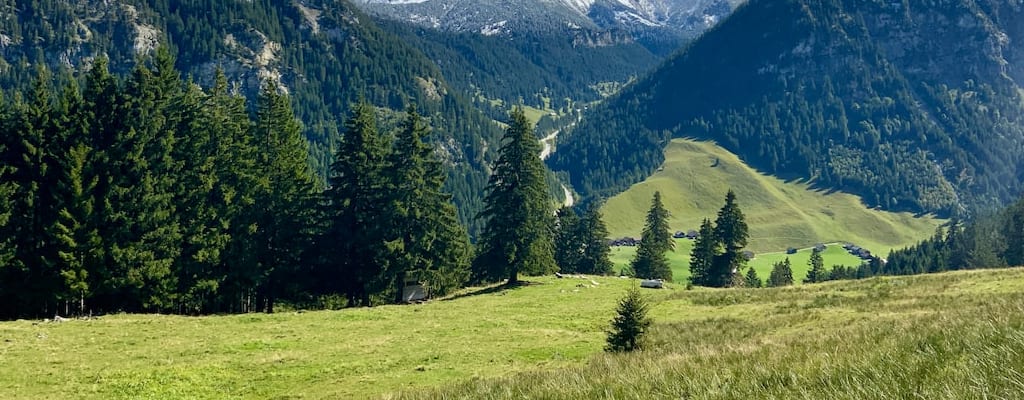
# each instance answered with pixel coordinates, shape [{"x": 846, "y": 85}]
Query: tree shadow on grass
[{"x": 502, "y": 288}]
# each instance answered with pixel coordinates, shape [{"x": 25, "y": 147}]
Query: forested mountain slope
[
  {"x": 326, "y": 53},
  {"x": 543, "y": 52},
  {"x": 914, "y": 105}
]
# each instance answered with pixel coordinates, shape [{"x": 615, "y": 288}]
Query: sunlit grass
[
  {"x": 781, "y": 214},
  {"x": 956, "y": 335}
]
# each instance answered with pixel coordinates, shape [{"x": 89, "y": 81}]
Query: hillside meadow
[
  {"x": 696, "y": 175},
  {"x": 679, "y": 260},
  {"x": 954, "y": 335}
]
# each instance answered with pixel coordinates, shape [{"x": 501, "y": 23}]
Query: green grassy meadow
[
  {"x": 679, "y": 259},
  {"x": 780, "y": 214},
  {"x": 954, "y": 335}
]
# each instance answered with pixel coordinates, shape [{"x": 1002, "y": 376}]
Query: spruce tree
[
  {"x": 702, "y": 257},
  {"x": 237, "y": 183},
  {"x": 429, "y": 244},
  {"x": 283, "y": 200},
  {"x": 630, "y": 323},
  {"x": 147, "y": 239},
  {"x": 817, "y": 273},
  {"x": 752, "y": 280},
  {"x": 355, "y": 205},
  {"x": 518, "y": 218},
  {"x": 569, "y": 241},
  {"x": 731, "y": 232},
  {"x": 595, "y": 258},
  {"x": 782, "y": 274},
  {"x": 656, "y": 240}
]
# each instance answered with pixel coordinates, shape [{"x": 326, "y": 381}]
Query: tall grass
[{"x": 930, "y": 337}]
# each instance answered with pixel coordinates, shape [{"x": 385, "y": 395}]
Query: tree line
[{"x": 150, "y": 193}]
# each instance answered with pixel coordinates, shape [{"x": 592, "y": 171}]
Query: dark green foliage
[
  {"x": 426, "y": 242},
  {"x": 284, "y": 195},
  {"x": 596, "y": 251},
  {"x": 568, "y": 241},
  {"x": 782, "y": 274},
  {"x": 151, "y": 194},
  {"x": 517, "y": 213},
  {"x": 655, "y": 240},
  {"x": 326, "y": 69},
  {"x": 630, "y": 323},
  {"x": 705, "y": 248},
  {"x": 817, "y": 272},
  {"x": 581, "y": 245},
  {"x": 354, "y": 211},
  {"x": 751, "y": 280},
  {"x": 731, "y": 232},
  {"x": 845, "y": 94},
  {"x": 717, "y": 257}
]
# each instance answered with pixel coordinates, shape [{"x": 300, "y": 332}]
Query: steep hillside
[
  {"x": 696, "y": 175},
  {"x": 912, "y": 105},
  {"x": 326, "y": 53},
  {"x": 546, "y": 51}
]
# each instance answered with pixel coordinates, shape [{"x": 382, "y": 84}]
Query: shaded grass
[
  {"x": 780, "y": 214},
  {"x": 955, "y": 335}
]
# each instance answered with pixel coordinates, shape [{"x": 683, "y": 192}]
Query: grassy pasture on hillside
[
  {"x": 781, "y": 214},
  {"x": 955, "y": 335},
  {"x": 679, "y": 259}
]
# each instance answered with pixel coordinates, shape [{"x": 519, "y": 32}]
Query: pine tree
[
  {"x": 517, "y": 211},
  {"x": 630, "y": 324},
  {"x": 283, "y": 200},
  {"x": 782, "y": 274},
  {"x": 432, "y": 247},
  {"x": 731, "y": 232},
  {"x": 705, "y": 249},
  {"x": 569, "y": 241},
  {"x": 655, "y": 240},
  {"x": 596, "y": 252},
  {"x": 752, "y": 280},
  {"x": 817, "y": 272}
]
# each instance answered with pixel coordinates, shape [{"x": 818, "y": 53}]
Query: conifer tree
[
  {"x": 630, "y": 323},
  {"x": 147, "y": 238},
  {"x": 782, "y": 274},
  {"x": 731, "y": 232},
  {"x": 517, "y": 233},
  {"x": 595, "y": 258},
  {"x": 817, "y": 272},
  {"x": 237, "y": 183},
  {"x": 428, "y": 243},
  {"x": 283, "y": 200},
  {"x": 355, "y": 206},
  {"x": 752, "y": 280},
  {"x": 656, "y": 240},
  {"x": 569, "y": 241},
  {"x": 705, "y": 249}
]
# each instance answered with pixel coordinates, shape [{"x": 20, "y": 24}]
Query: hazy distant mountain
[
  {"x": 658, "y": 24},
  {"x": 913, "y": 105}
]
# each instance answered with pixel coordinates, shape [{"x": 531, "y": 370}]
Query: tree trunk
[{"x": 400, "y": 288}]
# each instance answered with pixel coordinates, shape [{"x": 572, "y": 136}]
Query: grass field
[
  {"x": 762, "y": 263},
  {"x": 780, "y": 214},
  {"x": 956, "y": 335}
]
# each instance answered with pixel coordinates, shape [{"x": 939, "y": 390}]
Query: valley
[{"x": 781, "y": 214}]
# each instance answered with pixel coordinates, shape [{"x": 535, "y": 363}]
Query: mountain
[
  {"x": 547, "y": 52},
  {"x": 912, "y": 105},
  {"x": 326, "y": 53}
]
